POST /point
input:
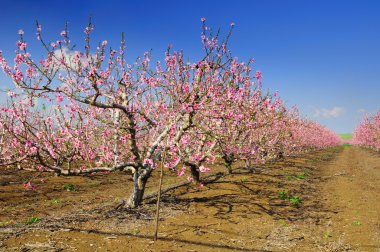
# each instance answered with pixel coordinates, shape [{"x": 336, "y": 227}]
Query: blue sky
[{"x": 321, "y": 55}]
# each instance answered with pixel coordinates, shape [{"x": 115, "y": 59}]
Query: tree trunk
[
  {"x": 280, "y": 155},
  {"x": 248, "y": 164},
  {"x": 194, "y": 169},
  {"x": 228, "y": 163},
  {"x": 136, "y": 197},
  {"x": 229, "y": 167}
]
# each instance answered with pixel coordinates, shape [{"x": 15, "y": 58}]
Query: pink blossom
[
  {"x": 22, "y": 45},
  {"x": 28, "y": 143},
  {"x": 38, "y": 135},
  {"x": 204, "y": 169},
  {"x": 29, "y": 186},
  {"x": 229, "y": 115},
  {"x": 18, "y": 76},
  {"x": 258, "y": 75},
  {"x": 148, "y": 161},
  {"x": 180, "y": 173},
  {"x": 59, "y": 98},
  {"x": 15, "y": 141},
  {"x": 20, "y": 32},
  {"x": 125, "y": 138}
]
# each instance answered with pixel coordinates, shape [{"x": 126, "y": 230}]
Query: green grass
[
  {"x": 283, "y": 194},
  {"x": 295, "y": 200},
  {"x": 69, "y": 187},
  {"x": 32, "y": 220},
  {"x": 345, "y": 136},
  {"x": 356, "y": 223}
]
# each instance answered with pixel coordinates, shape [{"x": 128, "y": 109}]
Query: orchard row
[
  {"x": 368, "y": 132},
  {"x": 74, "y": 112}
]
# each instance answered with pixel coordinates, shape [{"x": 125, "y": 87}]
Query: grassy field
[{"x": 346, "y": 136}]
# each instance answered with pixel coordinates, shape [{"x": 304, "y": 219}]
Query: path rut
[{"x": 353, "y": 190}]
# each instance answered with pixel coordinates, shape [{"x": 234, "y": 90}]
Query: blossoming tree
[
  {"x": 367, "y": 133},
  {"x": 107, "y": 114}
]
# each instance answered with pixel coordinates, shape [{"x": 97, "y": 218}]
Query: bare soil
[{"x": 340, "y": 209}]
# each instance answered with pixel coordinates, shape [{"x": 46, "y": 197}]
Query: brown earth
[{"x": 340, "y": 209}]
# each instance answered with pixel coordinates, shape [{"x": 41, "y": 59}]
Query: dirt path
[
  {"x": 354, "y": 192},
  {"x": 340, "y": 210}
]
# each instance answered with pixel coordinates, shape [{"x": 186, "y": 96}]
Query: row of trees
[
  {"x": 367, "y": 132},
  {"x": 75, "y": 112}
]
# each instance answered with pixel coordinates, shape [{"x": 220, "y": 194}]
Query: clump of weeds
[
  {"x": 283, "y": 195},
  {"x": 295, "y": 200},
  {"x": 32, "y": 220},
  {"x": 69, "y": 187}
]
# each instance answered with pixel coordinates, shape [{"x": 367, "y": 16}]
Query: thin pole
[{"x": 159, "y": 196}]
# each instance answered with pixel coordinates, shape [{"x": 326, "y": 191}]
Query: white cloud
[
  {"x": 69, "y": 56},
  {"x": 362, "y": 111},
  {"x": 329, "y": 113}
]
